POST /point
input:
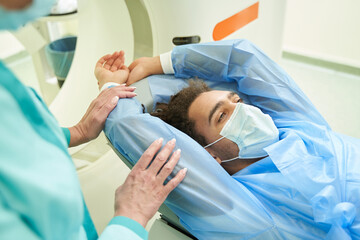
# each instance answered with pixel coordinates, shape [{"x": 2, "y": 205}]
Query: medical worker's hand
[
  {"x": 143, "y": 67},
  {"x": 111, "y": 68},
  {"x": 93, "y": 121},
  {"x": 144, "y": 191}
]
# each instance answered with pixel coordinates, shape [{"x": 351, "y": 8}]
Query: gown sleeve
[{"x": 265, "y": 83}]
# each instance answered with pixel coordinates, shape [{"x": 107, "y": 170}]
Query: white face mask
[
  {"x": 13, "y": 19},
  {"x": 251, "y": 130}
]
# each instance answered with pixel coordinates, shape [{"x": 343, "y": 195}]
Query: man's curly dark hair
[{"x": 176, "y": 112}]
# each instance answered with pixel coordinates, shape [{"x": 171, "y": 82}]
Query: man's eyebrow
[
  {"x": 231, "y": 94},
  {"x": 219, "y": 104}
]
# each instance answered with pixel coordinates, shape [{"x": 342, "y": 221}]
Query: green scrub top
[{"x": 40, "y": 194}]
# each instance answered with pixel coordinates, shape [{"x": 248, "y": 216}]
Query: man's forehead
[{"x": 212, "y": 96}]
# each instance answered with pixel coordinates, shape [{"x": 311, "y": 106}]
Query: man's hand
[
  {"x": 111, "y": 68},
  {"x": 144, "y": 191},
  {"x": 143, "y": 67},
  {"x": 93, "y": 121}
]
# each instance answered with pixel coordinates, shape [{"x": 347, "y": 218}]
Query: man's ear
[{"x": 213, "y": 155}]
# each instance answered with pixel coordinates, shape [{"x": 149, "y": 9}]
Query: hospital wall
[
  {"x": 321, "y": 51},
  {"x": 324, "y": 29}
]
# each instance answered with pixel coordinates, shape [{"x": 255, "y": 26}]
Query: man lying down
[{"x": 288, "y": 175}]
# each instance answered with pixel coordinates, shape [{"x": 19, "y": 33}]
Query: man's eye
[
  {"x": 222, "y": 115},
  {"x": 238, "y": 100}
]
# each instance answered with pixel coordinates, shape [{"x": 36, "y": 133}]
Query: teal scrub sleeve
[
  {"x": 36, "y": 200},
  {"x": 66, "y": 132},
  {"x": 13, "y": 227},
  {"x": 125, "y": 227}
]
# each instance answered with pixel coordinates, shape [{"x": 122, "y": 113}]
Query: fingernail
[
  {"x": 123, "y": 84},
  {"x": 184, "y": 170},
  {"x": 178, "y": 151},
  {"x": 133, "y": 87},
  {"x": 115, "y": 100},
  {"x": 135, "y": 94},
  {"x": 160, "y": 140},
  {"x": 172, "y": 141}
]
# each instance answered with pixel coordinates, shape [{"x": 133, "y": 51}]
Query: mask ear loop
[
  {"x": 229, "y": 160},
  {"x": 209, "y": 145}
]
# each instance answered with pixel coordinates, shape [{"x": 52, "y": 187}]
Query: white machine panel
[
  {"x": 103, "y": 28},
  {"x": 170, "y": 18}
]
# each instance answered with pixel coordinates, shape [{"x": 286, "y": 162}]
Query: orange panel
[{"x": 235, "y": 22}]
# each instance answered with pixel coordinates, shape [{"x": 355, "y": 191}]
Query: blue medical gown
[
  {"x": 308, "y": 187},
  {"x": 40, "y": 195},
  {"x": 321, "y": 165}
]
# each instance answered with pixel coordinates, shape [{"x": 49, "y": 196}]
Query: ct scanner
[{"x": 147, "y": 28}]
